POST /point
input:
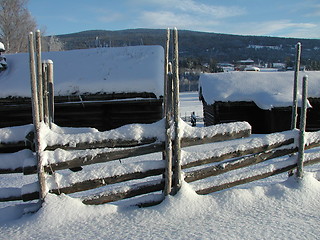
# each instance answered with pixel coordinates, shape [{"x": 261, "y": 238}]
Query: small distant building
[
  {"x": 244, "y": 64},
  {"x": 227, "y": 67},
  {"x": 263, "y": 99},
  {"x": 103, "y": 88}
]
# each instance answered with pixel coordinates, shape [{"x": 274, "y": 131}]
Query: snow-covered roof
[
  {"x": 266, "y": 89},
  {"x": 97, "y": 70}
]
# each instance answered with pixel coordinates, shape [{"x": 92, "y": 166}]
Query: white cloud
[
  {"x": 285, "y": 28},
  {"x": 165, "y": 19},
  {"x": 194, "y": 7},
  {"x": 206, "y": 9}
]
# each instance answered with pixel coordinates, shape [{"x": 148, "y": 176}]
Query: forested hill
[{"x": 201, "y": 45}]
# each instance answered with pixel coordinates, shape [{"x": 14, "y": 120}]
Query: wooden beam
[
  {"x": 95, "y": 183},
  {"x": 133, "y": 191},
  {"x": 256, "y": 177},
  {"x": 235, "y": 164},
  {"x": 110, "y": 143},
  {"x": 186, "y": 142},
  {"x": 131, "y": 152},
  {"x": 105, "y": 157},
  {"x": 239, "y": 153}
]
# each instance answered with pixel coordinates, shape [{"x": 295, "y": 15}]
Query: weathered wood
[
  {"x": 133, "y": 191},
  {"x": 256, "y": 177},
  {"x": 12, "y": 194},
  {"x": 39, "y": 74},
  {"x": 303, "y": 120},
  {"x": 245, "y": 161},
  {"x": 13, "y": 147},
  {"x": 177, "y": 179},
  {"x": 245, "y": 180},
  {"x": 186, "y": 142},
  {"x": 36, "y": 116},
  {"x": 10, "y": 170},
  {"x": 152, "y": 147},
  {"x": 166, "y": 62},
  {"x": 95, "y": 183},
  {"x": 110, "y": 143},
  {"x": 168, "y": 141},
  {"x": 167, "y": 106},
  {"x": 98, "y": 113},
  {"x": 239, "y": 153},
  {"x": 45, "y": 93},
  {"x": 295, "y": 87},
  {"x": 105, "y": 157},
  {"x": 50, "y": 92},
  {"x": 235, "y": 164}
]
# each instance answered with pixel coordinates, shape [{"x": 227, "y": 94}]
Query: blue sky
[{"x": 283, "y": 18}]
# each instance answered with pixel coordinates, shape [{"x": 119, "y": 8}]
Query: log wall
[{"x": 103, "y": 112}]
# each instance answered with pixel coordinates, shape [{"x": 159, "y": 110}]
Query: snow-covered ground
[{"x": 275, "y": 208}]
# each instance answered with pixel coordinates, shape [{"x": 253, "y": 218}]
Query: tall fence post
[
  {"x": 50, "y": 92},
  {"x": 36, "y": 117},
  {"x": 177, "y": 148},
  {"x": 166, "y": 70},
  {"x": 295, "y": 88},
  {"x": 303, "y": 118},
  {"x": 39, "y": 74},
  {"x": 168, "y": 113},
  {"x": 45, "y": 93}
]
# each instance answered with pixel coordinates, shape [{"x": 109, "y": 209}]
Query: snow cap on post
[{"x": 2, "y": 48}]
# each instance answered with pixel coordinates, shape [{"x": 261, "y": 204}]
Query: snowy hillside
[
  {"x": 275, "y": 208},
  {"x": 97, "y": 70}
]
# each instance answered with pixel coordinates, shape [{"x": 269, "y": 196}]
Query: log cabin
[
  {"x": 103, "y": 88},
  {"x": 264, "y": 99}
]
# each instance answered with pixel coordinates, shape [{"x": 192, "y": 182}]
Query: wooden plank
[
  {"x": 10, "y": 194},
  {"x": 124, "y": 153},
  {"x": 186, "y": 142},
  {"x": 95, "y": 183},
  {"x": 245, "y": 180},
  {"x": 240, "y": 153},
  {"x": 235, "y": 164},
  {"x": 110, "y": 143},
  {"x": 133, "y": 191},
  {"x": 243, "y": 162},
  {"x": 13, "y": 147},
  {"x": 284, "y": 169},
  {"x": 105, "y": 157},
  {"x": 10, "y": 170}
]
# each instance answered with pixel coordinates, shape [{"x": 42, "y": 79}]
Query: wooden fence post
[
  {"x": 295, "y": 88},
  {"x": 39, "y": 74},
  {"x": 45, "y": 93},
  {"x": 166, "y": 70},
  {"x": 50, "y": 92},
  {"x": 168, "y": 113},
  {"x": 303, "y": 118},
  {"x": 36, "y": 117},
  {"x": 177, "y": 148}
]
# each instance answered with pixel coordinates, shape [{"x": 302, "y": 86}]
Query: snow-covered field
[{"x": 275, "y": 208}]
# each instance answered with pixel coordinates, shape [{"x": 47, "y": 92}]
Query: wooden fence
[{"x": 143, "y": 161}]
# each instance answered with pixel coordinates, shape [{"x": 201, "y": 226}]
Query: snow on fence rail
[
  {"x": 228, "y": 158},
  {"x": 69, "y": 157}
]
